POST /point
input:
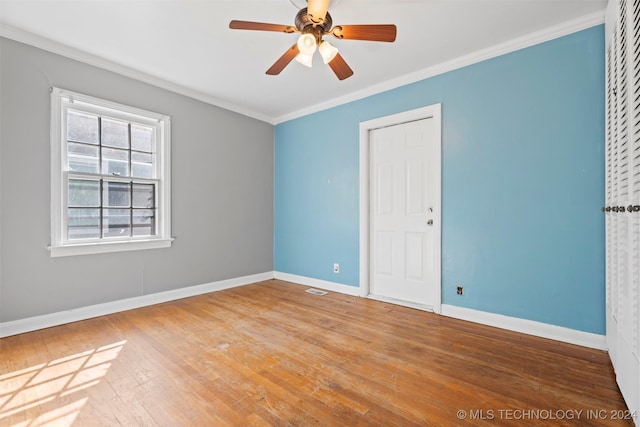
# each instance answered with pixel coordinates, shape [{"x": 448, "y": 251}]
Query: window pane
[
  {"x": 144, "y": 222},
  {"x": 116, "y": 194},
  {"x": 144, "y": 196},
  {"x": 142, "y": 138},
  {"x": 83, "y": 192},
  {"x": 82, "y": 127},
  {"x": 115, "y": 162},
  {"x": 115, "y": 133},
  {"x": 83, "y": 223},
  {"x": 141, "y": 165},
  {"x": 116, "y": 223},
  {"x": 113, "y": 176},
  {"x": 83, "y": 158}
]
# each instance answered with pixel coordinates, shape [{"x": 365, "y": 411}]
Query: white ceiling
[{"x": 187, "y": 46}]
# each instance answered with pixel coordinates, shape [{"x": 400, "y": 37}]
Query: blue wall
[{"x": 522, "y": 183}]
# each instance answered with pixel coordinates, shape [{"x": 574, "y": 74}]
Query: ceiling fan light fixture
[
  {"x": 327, "y": 51},
  {"x": 312, "y": 23},
  {"x": 305, "y": 59},
  {"x": 307, "y": 44}
]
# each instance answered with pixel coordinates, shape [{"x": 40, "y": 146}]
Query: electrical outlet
[
  {"x": 336, "y": 268},
  {"x": 460, "y": 290}
]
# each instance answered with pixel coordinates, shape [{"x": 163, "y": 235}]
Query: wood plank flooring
[{"x": 269, "y": 354}]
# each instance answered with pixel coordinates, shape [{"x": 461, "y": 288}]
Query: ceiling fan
[{"x": 313, "y": 22}]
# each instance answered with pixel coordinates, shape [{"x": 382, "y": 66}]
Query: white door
[{"x": 404, "y": 221}]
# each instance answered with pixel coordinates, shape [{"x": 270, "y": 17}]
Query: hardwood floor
[{"x": 271, "y": 354}]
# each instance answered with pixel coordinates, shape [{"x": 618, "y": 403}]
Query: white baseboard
[
  {"x": 54, "y": 319},
  {"x": 530, "y": 327},
  {"x": 316, "y": 283}
]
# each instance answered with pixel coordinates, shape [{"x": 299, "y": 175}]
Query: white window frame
[{"x": 61, "y": 101}]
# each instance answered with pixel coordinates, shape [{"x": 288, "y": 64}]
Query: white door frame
[{"x": 431, "y": 111}]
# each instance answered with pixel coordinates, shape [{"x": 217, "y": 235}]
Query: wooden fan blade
[
  {"x": 284, "y": 60},
  {"x": 261, "y": 26},
  {"x": 318, "y": 9},
  {"x": 375, "y": 32},
  {"x": 340, "y": 67}
]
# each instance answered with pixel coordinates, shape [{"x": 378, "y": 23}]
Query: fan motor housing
[{"x": 309, "y": 24}]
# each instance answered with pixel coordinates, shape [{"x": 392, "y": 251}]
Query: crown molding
[
  {"x": 550, "y": 33},
  {"x": 22, "y": 36}
]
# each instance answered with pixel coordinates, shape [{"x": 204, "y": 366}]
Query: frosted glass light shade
[
  {"x": 305, "y": 59},
  {"x": 327, "y": 51},
  {"x": 307, "y": 44}
]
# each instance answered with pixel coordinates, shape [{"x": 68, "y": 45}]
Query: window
[{"x": 110, "y": 176}]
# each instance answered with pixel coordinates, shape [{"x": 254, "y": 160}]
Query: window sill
[{"x": 107, "y": 247}]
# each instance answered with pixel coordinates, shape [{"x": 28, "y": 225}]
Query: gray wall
[{"x": 222, "y": 190}]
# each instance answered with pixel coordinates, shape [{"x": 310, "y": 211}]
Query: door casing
[{"x": 434, "y": 112}]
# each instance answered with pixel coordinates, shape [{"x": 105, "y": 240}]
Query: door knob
[{"x": 430, "y": 222}]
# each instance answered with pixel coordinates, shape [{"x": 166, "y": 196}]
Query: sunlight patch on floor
[{"x": 50, "y": 393}]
